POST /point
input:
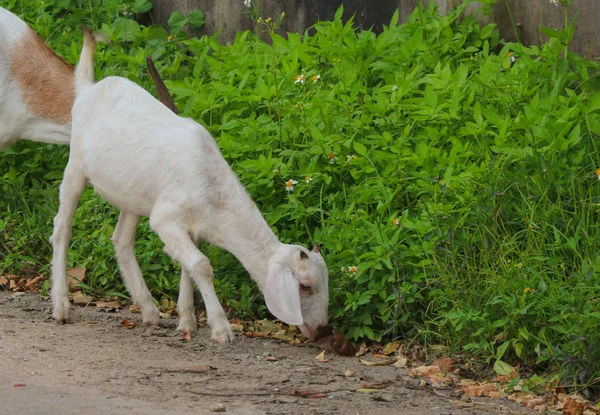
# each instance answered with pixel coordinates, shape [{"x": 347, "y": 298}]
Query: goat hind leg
[
  {"x": 70, "y": 190},
  {"x": 185, "y": 304},
  {"x": 124, "y": 242}
]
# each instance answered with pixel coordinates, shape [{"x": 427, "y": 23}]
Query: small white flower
[
  {"x": 248, "y": 3},
  {"x": 316, "y": 78},
  {"x": 395, "y": 88},
  {"x": 555, "y": 2},
  {"x": 299, "y": 79},
  {"x": 308, "y": 179},
  {"x": 289, "y": 185},
  {"x": 353, "y": 269},
  {"x": 332, "y": 158},
  {"x": 351, "y": 157}
]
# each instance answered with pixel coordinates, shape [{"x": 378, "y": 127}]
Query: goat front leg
[
  {"x": 180, "y": 247},
  {"x": 124, "y": 242},
  {"x": 70, "y": 190}
]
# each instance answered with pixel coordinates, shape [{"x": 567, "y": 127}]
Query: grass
[{"x": 453, "y": 191}]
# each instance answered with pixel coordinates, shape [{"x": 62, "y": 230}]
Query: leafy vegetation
[{"x": 451, "y": 186}]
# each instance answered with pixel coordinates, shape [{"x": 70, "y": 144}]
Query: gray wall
[{"x": 230, "y": 16}]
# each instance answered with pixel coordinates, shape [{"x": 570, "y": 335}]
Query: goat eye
[{"x": 306, "y": 288}]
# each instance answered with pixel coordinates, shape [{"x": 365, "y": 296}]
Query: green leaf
[
  {"x": 129, "y": 29},
  {"x": 503, "y": 368},
  {"x": 196, "y": 19},
  {"x": 142, "y": 6},
  {"x": 177, "y": 20},
  {"x": 359, "y": 148}
]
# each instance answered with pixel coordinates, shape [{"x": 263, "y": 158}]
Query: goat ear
[
  {"x": 315, "y": 247},
  {"x": 303, "y": 255},
  {"x": 282, "y": 295}
]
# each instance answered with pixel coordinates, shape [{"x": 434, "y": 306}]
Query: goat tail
[{"x": 84, "y": 71}]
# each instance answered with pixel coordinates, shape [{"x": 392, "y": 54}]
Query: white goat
[
  {"x": 147, "y": 161},
  {"x": 36, "y": 87}
]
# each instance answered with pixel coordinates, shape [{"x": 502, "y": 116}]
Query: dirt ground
[{"x": 95, "y": 366}]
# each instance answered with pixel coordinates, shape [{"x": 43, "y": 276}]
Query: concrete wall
[{"x": 229, "y": 16}]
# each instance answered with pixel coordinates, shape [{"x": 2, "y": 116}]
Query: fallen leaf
[
  {"x": 254, "y": 334},
  {"x": 108, "y": 305},
  {"x": 438, "y": 381},
  {"x": 82, "y": 299},
  {"x": 391, "y": 348},
  {"x": 186, "y": 336},
  {"x": 164, "y": 316},
  {"x": 362, "y": 350},
  {"x": 192, "y": 369},
  {"x": 401, "y": 362},
  {"x": 334, "y": 341},
  {"x": 378, "y": 362},
  {"x": 350, "y": 374},
  {"x": 272, "y": 359},
  {"x": 321, "y": 358},
  {"x": 478, "y": 390},
  {"x": 380, "y": 385},
  {"x": 424, "y": 370},
  {"x": 128, "y": 324},
  {"x": 134, "y": 308},
  {"x": 446, "y": 364},
  {"x": 238, "y": 328},
  {"x": 309, "y": 393},
  {"x": 573, "y": 407},
  {"x": 368, "y": 390},
  {"x": 30, "y": 285},
  {"x": 3, "y": 280},
  {"x": 19, "y": 385},
  {"x": 12, "y": 285},
  {"x": 74, "y": 277}
]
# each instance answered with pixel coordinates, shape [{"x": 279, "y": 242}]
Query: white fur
[
  {"x": 17, "y": 122},
  {"x": 147, "y": 161}
]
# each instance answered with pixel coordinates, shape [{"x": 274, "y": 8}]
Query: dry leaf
[
  {"x": 309, "y": 393},
  {"x": 446, "y": 364},
  {"x": 128, "y": 324},
  {"x": 479, "y": 389},
  {"x": 19, "y": 385},
  {"x": 321, "y": 358},
  {"x": 334, "y": 341},
  {"x": 438, "y": 381},
  {"x": 13, "y": 285},
  {"x": 238, "y": 328},
  {"x": 74, "y": 277},
  {"x": 378, "y": 362},
  {"x": 390, "y": 348},
  {"x": 186, "y": 336},
  {"x": 424, "y": 370},
  {"x": 573, "y": 407},
  {"x": 82, "y": 299},
  {"x": 350, "y": 374},
  {"x": 30, "y": 285},
  {"x": 134, "y": 308},
  {"x": 108, "y": 305},
  {"x": 192, "y": 369},
  {"x": 362, "y": 350},
  {"x": 401, "y": 362},
  {"x": 380, "y": 385},
  {"x": 3, "y": 280},
  {"x": 272, "y": 359}
]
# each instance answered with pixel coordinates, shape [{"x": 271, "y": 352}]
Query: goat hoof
[{"x": 223, "y": 335}]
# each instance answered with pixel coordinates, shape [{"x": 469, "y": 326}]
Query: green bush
[{"x": 452, "y": 190}]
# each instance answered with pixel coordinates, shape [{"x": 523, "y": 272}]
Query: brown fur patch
[{"x": 45, "y": 79}]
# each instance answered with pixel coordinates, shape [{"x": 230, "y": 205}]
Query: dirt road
[{"x": 95, "y": 366}]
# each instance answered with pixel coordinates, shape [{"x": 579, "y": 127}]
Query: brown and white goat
[{"x": 36, "y": 87}]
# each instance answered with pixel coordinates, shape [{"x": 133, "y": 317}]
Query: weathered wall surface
[{"x": 229, "y": 16}]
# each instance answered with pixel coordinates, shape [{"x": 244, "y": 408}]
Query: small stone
[{"x": 217, "y": 407}]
